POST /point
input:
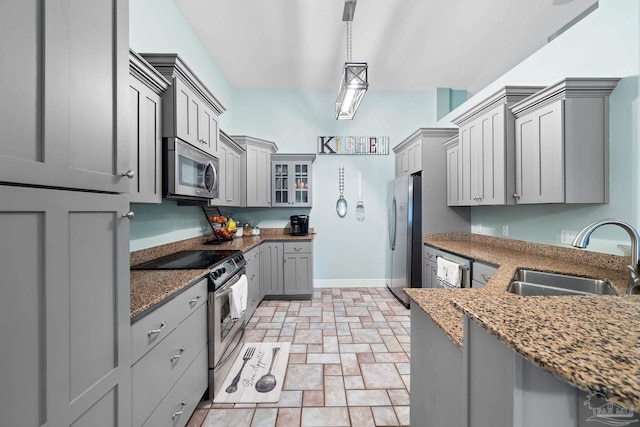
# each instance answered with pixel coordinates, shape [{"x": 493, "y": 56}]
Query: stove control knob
[
  {"x": 215, "y": 274},
  {"x": 222, "y": 270}
]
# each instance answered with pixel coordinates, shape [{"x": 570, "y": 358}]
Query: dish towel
[
  {"x": 238, "y": 298},
  {"x": 448, "y": 272}
]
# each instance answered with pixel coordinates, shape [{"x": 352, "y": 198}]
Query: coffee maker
[{"x": 299, "y": 225}]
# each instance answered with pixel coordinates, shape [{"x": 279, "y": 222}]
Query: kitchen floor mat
[{"x": 256, "y": 375}]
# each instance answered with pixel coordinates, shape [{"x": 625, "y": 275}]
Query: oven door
[
  {"x": 226, "y": 336},
  {"x": 190, "y": 172}
]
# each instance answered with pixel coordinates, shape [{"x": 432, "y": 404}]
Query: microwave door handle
[{"x": 204, "y": 178}]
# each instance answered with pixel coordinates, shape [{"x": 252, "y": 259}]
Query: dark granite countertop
[
  {"x": 149, "y": 288},
  {"x": 592, "y": 343}
]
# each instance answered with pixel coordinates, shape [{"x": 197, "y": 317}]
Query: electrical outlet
[
  {"x": 478, "y": 228},
  {"x": 567, "y": 236},
  {"x": 505, "y": 231}
]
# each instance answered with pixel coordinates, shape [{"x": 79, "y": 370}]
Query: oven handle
[
  {"x": 224, "y": 360},
  {"x": 226, "y": 288}
]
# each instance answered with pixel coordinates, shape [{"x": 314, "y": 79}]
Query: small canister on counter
[
  {"x": 255, "y": 231},
  {"x": 246, "y": 230}
]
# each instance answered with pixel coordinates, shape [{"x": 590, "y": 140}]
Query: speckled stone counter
[
  {"x": 592, "y": 343},
  {"x": 151, "y": 288}
]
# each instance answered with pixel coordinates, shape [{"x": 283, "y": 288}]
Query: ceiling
[{"x": 408, "y": 44}]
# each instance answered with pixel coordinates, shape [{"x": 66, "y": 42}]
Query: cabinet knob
[
  {"x": 128, "y": 215},
  {"x": 129, "y": 174},
  {"x": 516, "y": 196}
]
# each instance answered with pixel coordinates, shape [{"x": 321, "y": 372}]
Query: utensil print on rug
[
  {"x": 360, "y": 205},
  {"x": 268, "y": 382},
  {"x": 234, "y": 384}
]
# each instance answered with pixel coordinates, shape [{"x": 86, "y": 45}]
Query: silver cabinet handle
[
  {"x": 195, "y": 300},
  {"x": 297, "y": 249},
  {"x": 177, "y": 414},
  {"x": 177, "y": 356},
  {"x": 516, "y": 196},
  {"x": 128, "y": 215},
  {"x": 485, "y": 277},
  {"x": 157, "y": 331},
  {"x": 129, "y": 174}
]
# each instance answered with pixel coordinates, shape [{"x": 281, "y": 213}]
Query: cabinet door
[
  {"x": 280, "y": 184},
  {"x": 415, "y": 157},
  {"x": 301, "y": 184},
  {"x": 491, "y": 158},
  {"x": 187, "y": 110},
  {"x": 66, "y": 285},
  {"x": 454, "y": 176},
  {"x": 258, "y": 177},
  {"x": 223, "y": 164},
  {"x": 298, "y": 274},
  {"x": 236, "y": 179},
  {"x": 253, "y": 277},
  {"x": 207, "y": 130},
  {"x": 230, "y": 175},
  {"x": 271, "y": 268},
  {"x": 145, "y": 143},
  {"x": 540, "y": 156},
  {"x": 64, "y": 115},
  {"x": 465, "y": 177}
]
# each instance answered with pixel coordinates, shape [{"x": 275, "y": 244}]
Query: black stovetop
[{"x": 188, "y": 260}]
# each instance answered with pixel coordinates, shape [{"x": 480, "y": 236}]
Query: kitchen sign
[{"x": 358, "y": 145}]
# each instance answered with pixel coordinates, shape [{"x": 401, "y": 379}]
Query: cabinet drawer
[
  {"x": 482, "y": 272},
  {"x": 155, "y": 373},
  {"x": 183, "y": 397},
  {"x": 252, "y": 255},
  {"x": 298, "y": 247},
  {"x": 148, "y": 331}
]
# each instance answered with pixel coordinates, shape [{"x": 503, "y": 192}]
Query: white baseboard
[{"x": 349, "y": 283}]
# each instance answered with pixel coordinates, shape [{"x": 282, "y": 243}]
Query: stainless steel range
[{"x": 226, "y": 335}]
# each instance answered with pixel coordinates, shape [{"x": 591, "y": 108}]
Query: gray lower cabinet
[
  {"x": 253, "y": 277},
  {"x": 298, "y": 268},
  {"x": 64, "y": 119},
  {"x": 436, "y": 375},
  {"x": 64, "y": 308},
  {"x": 429, "y": 267},
  {"x": 481, "y": 273},
  {"x": 146, "y": 86},
  {"x": 169, "y": 373},
  {"x": 286, "y": 269},
  {"x": 271, "y": 268},
  {"x": 504, "y": 389}
]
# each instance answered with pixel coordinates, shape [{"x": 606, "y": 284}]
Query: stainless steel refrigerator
[{"x": 404, "y": 268}]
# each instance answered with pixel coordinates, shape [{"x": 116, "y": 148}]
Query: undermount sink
[{"x": 538, "y": 283}]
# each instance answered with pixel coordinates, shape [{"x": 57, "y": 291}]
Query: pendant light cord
[{"x": 348, "y": 41}]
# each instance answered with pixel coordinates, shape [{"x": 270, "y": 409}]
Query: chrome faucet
[{"x": 582, "y": 240}]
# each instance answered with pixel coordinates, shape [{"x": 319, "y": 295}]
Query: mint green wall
[{"x": 605, "y": 43}]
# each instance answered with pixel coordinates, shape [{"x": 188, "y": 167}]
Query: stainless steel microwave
[{"x": 189, "y": 173}]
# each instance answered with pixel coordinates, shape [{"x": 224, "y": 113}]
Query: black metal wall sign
[{"x": 360, "y": 145}]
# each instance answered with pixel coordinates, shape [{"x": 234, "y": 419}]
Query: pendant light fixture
[{"x": 354, "y": 81}]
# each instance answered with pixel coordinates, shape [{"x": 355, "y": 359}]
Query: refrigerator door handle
[{"x": 393, "y": 224}]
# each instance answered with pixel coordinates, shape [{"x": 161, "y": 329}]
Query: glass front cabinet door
[{"x": 291, "y": 179}]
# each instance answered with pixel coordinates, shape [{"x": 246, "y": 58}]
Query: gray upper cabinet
[
  {"x": 486, "y": 144},
  {"x": 562, "y": 143},
  {"x": 146, "y": 86},
  {"x": 455, "y": 177},
  {"x": 409, "y": 155},
  {"x": 64, "y": 115},
  {"x": 255, "y": 170},
  {"x": 291, "y": 176},
  {"x": 189, "y": 110},
  {"x": 64, "y": 308},
  {"x": 229, "y": 156}
]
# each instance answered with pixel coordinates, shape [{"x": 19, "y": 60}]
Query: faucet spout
[{"x": 582, "y": 240}]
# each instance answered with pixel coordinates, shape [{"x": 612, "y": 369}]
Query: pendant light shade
[{"x": 353, "y": 86}]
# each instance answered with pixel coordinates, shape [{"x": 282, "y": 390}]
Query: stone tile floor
[{"x": 348, "y": 365}]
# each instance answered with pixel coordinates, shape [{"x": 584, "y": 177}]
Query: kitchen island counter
[{"x": 592, "y": 343}]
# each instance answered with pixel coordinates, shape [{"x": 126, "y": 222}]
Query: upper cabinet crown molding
[
  {"x": 225, "y": 138},
  {"x": 424, "y": 132},
  {"x": 146, "y": 73},
  {"x": 171, "y": 65},
  {"x": 507, "y": 95},
  {"x": 243, "y": 140},
  {"x": 571, "y": 87}
]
